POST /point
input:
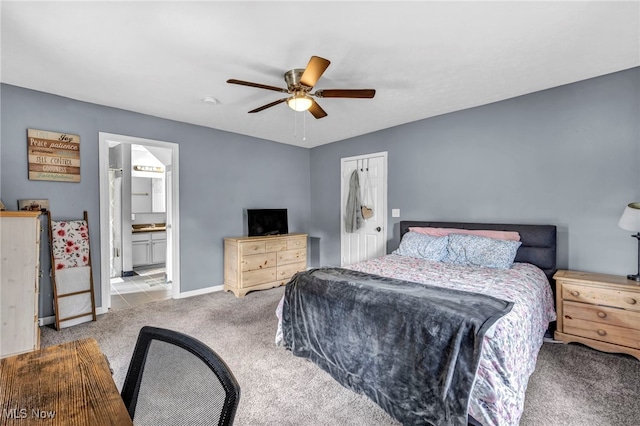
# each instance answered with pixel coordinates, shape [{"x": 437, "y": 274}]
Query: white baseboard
[
  {"x": 201, "y": 291},
  {"x": 46, "y": 321}
]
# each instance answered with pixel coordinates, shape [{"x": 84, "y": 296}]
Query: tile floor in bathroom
[{"x": 147, "y": 286}]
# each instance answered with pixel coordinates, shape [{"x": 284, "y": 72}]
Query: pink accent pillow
[{"x": 442, "y": 232}]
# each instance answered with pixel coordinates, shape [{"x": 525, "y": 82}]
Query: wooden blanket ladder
[{"x": 71, "y": 275}]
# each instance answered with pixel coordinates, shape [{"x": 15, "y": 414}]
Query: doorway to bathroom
[{"x": 139, "y": 221}]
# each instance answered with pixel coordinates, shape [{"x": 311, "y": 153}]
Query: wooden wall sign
[{"x": 53, "y": 156}]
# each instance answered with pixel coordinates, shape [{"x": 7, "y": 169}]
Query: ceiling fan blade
[
  {"x": 316, "y": 110},
  {"x": 263, "y": 107},
  {"x": 314, "y": 70},
  {"x": 258, "y": 85},
  {"x": 346, "y": 93}
]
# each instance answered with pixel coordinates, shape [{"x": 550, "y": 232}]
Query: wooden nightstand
[{"x": 598, "y": 310}]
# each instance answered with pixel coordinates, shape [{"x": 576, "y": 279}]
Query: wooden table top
[{"x": 68, "y": 384}]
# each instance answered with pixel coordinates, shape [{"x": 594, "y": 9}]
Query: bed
[{"x": 348, "y": 319}]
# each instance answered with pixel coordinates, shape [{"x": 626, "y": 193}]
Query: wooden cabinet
[
  {"x": 148, "y": 248},
  {"x": 20, "y": 266},
  {"x": 258, "y": 263},
  {"x": 598, "y": 310}
]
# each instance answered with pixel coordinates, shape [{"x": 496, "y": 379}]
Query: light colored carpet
[{"x": 572, "y": 385}]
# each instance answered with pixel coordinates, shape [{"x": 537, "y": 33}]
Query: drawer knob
[
  {"x": 575, "y": 293},
  {"x": 601, "y": 332},
  {"x": 630, "y": 300},
  {"x": 602, "y": 314}
]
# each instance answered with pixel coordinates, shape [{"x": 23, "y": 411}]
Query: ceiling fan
[{"x": 300, "y": 82}]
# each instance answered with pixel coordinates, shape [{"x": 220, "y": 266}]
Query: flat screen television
[{"x": 267, "y": 222}]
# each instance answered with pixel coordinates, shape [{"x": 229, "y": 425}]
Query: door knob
[{"x": 378, "y": 229}]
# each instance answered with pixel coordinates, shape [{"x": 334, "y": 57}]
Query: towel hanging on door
[
  {"x": 367, "y": 207},
  {"x": 352, "y": 214}
]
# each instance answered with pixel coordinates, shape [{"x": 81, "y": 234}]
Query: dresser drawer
[
  {"x": 277, "y": 245},
  {"x": 258, "y": 261},
  {"x": 601, "y": 296},
  {"x": 296, "y": 243},
  {"x": 287, "y": 271},
  {"x": 259, "y": 276},
  {"x": 250, "y": 247},
  {"x": 600, "y": 314},
  {"x": 602, "y": 332},
  {"x": 291, "y": 256}
]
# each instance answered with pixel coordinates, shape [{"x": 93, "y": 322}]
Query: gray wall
[
  {"x": 568, "y": 156},
  {"x": 221, "y": 174}
]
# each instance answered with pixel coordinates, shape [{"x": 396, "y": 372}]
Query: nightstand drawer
[
  {"x": 602, "y": 332},
  {"x": 601, "y": 296},
  {"x": 600, "y": 314}
]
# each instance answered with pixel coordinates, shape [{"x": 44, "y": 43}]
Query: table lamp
[{"x": 630, "y": 221}]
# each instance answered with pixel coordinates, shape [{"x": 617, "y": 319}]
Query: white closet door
[{"x": 370, "y": 240}]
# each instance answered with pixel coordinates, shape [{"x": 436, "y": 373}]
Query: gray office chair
[{"x": 174, "y": 379}]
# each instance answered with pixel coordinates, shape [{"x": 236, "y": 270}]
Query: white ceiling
[{"x": 423, "y": 58}]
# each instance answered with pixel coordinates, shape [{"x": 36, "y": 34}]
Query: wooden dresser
[
  {"x": 598, "y": 310},
  {"x": 258, "y": 263},
  {"x": 19, "y": 285}
]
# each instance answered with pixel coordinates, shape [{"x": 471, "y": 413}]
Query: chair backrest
[{"x": 174, "y": 379}]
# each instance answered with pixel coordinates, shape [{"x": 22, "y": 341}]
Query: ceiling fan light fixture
[
  {"x": 299, "y": 102},
  {"x": 210, "y": 100},
  {"x": 300, "y": 82}
]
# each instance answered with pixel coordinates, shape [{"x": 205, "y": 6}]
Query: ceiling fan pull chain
[{"x": 304, "y": 127}]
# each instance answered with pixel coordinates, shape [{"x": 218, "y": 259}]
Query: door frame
[
  {"x": 103, "y": 158},
  {"x": 343, "y": 234}
]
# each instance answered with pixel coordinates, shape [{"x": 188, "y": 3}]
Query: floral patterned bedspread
[
  {"x": 509, "y": 353},
  {"x": 510, "y": 350}
]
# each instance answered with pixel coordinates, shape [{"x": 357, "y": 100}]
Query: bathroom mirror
[{"x": 148, "y": 195}]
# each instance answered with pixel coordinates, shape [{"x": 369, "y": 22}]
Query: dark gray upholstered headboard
[
  {"x": 538, "y": 241},
  {"x": 538, "y": 248}
]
